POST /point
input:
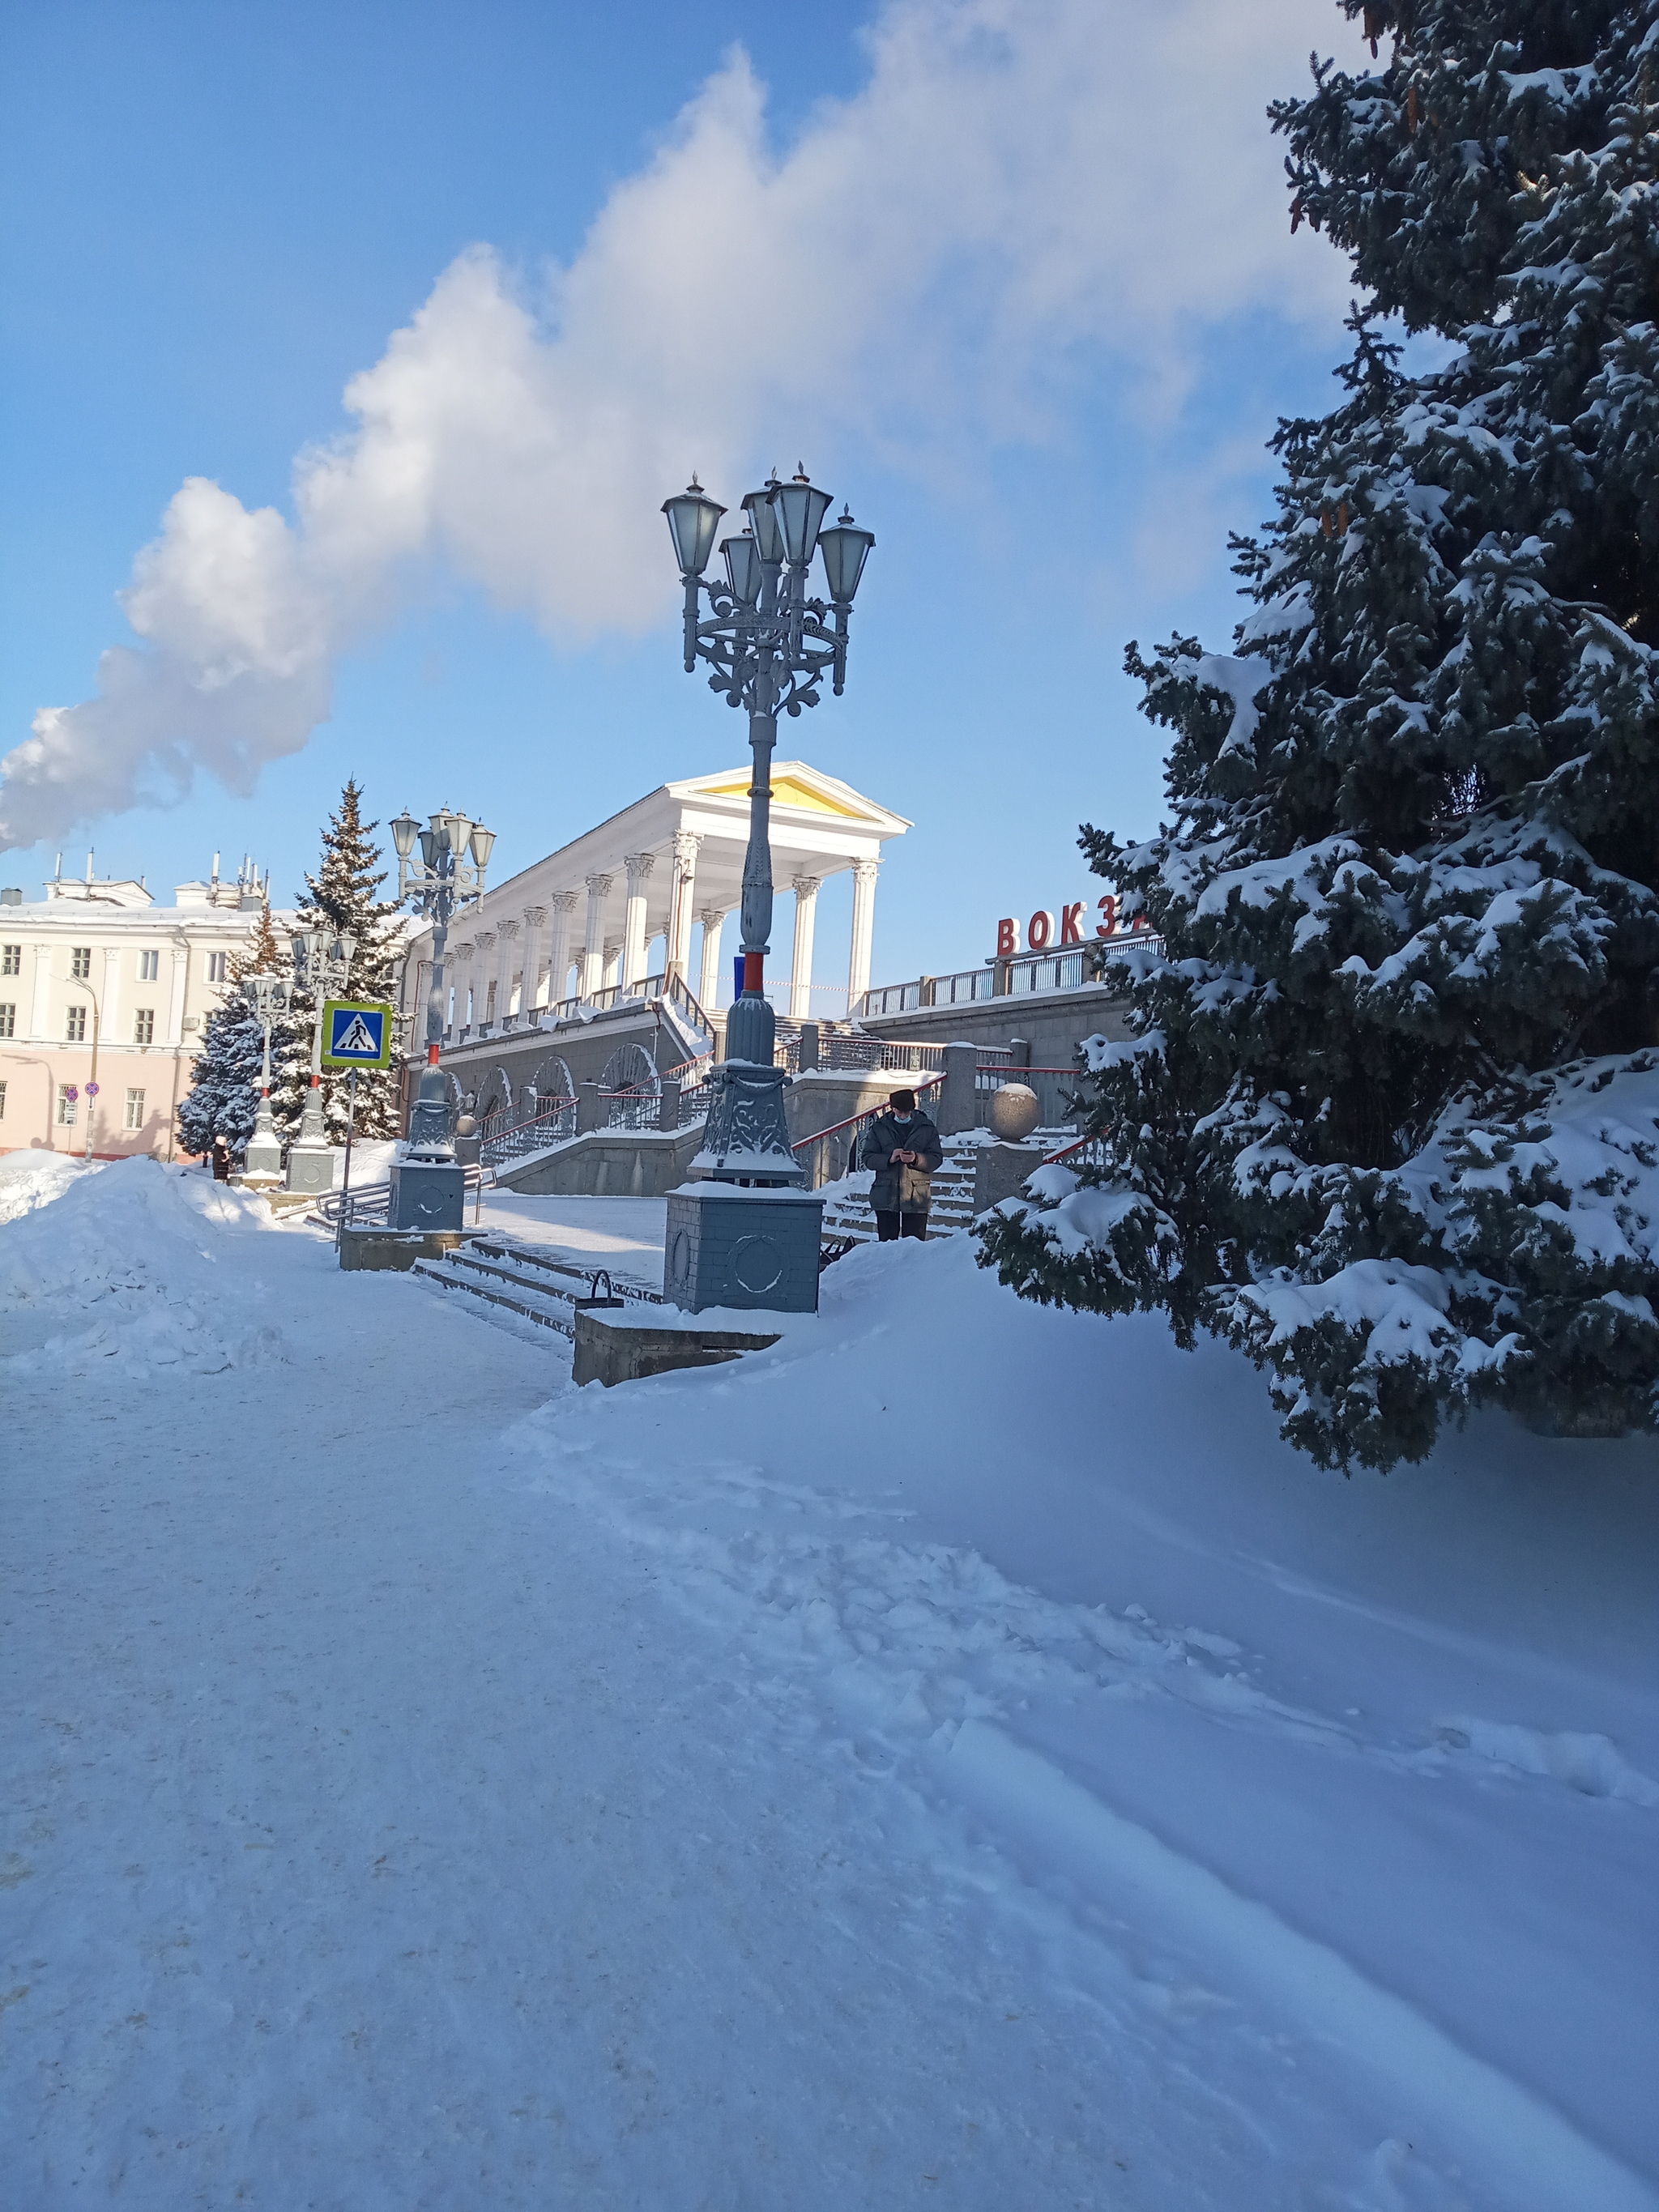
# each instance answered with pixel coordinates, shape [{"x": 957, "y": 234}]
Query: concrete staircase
[
  {"x": 524, "y": 1279},
  {"x": 952, "y": 1210},
  {"x": 952, "y": 1207}
]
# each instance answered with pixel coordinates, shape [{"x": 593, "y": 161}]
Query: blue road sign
[{"x": 355, "y": 1035}]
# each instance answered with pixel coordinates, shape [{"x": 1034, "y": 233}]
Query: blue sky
[{"x": 1014, "y": 276}]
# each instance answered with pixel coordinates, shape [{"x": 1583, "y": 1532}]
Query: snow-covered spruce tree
[
  {"x": 341, "y": 897},
  {"x": 216, "y": 1116},
  {"x": 1389, "y": 1116}
]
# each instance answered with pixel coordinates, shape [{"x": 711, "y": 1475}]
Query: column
[
  {"x": 41, "y": 1002},
  {"x": 507, "y": 940},
  {"x": 598, "y": 890},
  {"x": 639, "y": 867},
  {"x": 612, "y": 969},
  {"x": 483, "y": 944},
  {"x": 176, "y": 997},
  {"x": 864, "y": 930},
  {"x": 800, "y": 972},
  {"x": 678, "y": 953},
  {"x": 460, "y": 974},
  {"x": 713, "y": 919},
  {"x": 529, "y": 989},
  {"x": 562, "y": 905}
]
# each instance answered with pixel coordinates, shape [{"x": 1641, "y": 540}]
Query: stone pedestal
[
  {"x": 728, "y": 1245},
  {"x": 262, "y": 1162},
  {"x": 311, "y": 1168},
  {"x": 611, "y": 1352},
  {"x": 427, "y": 1194},
  {"x": 379, "y": 1249}
]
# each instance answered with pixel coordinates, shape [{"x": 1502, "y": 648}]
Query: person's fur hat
[{"x": 903, "y": 1101}]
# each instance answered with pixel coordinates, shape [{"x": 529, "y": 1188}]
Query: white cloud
[{"x": 1021, "y": 185}]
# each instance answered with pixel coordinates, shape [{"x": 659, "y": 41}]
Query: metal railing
[
  {"x": 509, "y": 1135},
  {"x": 1066, "y": 969},
  {"x": 1083, "y": 1153},
  {"x": 685, "y": 1001},
  {"x": 365, "y": 1204},
  {"x": 828, "y": 1154}
]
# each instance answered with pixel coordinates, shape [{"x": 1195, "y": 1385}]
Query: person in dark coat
[{"x": 900, "y": 1137}]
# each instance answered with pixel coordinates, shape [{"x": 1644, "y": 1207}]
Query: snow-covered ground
[
  {"x": 624, "y": 1233},
  {"x": 959, "y": 1754}
]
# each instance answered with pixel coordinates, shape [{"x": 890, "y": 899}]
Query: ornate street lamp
[
  {"x": 322, "y": 963},
  {"x": 770, "y": 647},
  {"x": 262, "y": 1164},
  {"x": 429, "y": 1187}
]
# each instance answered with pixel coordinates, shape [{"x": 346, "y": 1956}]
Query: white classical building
[
  {"x": 582, "y": 923},
  {"x": 99, "y": 985}
]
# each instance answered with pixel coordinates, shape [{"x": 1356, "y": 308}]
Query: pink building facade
[{"x": 103, "y": 997}]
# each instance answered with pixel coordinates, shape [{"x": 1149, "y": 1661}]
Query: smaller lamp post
[
  {"x": 428, "y": 1185},
  {"x": 322, "y": 963},
  {"x": 262, "y": 1162}
]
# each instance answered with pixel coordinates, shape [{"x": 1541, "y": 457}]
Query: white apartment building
[{"x": 103, "y": 997}]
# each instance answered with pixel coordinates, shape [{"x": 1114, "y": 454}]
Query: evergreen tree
[
  {"x": 216, "y": 1116},
  {"x": 1389, "y": 1118},
  {"x": 341, "y": 897}
]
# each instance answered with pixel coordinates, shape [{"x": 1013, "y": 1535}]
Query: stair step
[
  {"x": 438, "y": 1272},
  {"x": 525, "y": 1281}
]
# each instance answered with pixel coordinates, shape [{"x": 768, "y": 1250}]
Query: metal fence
[{"x": 511, "y": 1135}]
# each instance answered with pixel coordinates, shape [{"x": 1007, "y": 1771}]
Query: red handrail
[{"x": 868, "y": 1115}]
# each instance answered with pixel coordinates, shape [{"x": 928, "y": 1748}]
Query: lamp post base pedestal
[
  {"x": 752, "y": 1247},
  {"x": 263, "y": 1160},
  {"x": 427, "y": 1195},
  {"x": 311, "y": 1168}
]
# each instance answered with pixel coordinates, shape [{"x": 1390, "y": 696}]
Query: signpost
[{"x": 356, "y": 1033}]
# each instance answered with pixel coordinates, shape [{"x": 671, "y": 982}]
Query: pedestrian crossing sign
[{"x": 355, "y": 1035}]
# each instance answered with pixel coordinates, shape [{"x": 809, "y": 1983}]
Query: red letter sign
[
  {"x": 1070, "y": 924},
  {"x": 1007, "y": 936},
  {"x": 1108, "y": 907},
  {"x": 1039, "y": 930}
]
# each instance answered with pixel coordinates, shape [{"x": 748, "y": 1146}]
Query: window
[
  {"x": 9, "y": 1019},
  {"x": 66, "y": 1104},
  {"x": 80, "y": 962},
  {"x": 135, "y": 1110},
  {"x": 149, "y": 967},
  {"x": 144, "y": 1025},
  {"x": 75, "y": 1025},
  {"x": 216, "y": 967},
  {"x": 11, "y": 959},
  {"x": 3, "y": 1101}
]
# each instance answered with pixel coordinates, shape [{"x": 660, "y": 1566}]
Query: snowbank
[
  {"x": 31, "y": 1179},
  {"x": 131, "y": 1266},
  {"x": 1381, "y": 1751}
]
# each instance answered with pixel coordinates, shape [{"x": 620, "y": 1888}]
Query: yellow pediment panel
[{"x": 787, "y": 791}]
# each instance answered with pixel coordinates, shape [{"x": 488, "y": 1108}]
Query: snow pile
[
  {"x": 31, "y": 1179},
  {"x": 1333, "y": 1735},
  {"x": 130, "y": 1267}
]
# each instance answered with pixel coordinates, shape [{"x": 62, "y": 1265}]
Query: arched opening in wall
[
  {"x": 551, "y": 1085},
  {"x": 495, "y": 1096},
  {"x": 631, "y": 1088}
]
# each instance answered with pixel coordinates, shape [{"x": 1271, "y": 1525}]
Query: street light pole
[
  {"x": 321, "y": 964},
  {"x": 428, "y": 1187},
  {"x": 262, "y": 1162},
  {"x": 770, "y": 646},
  {"x": 92, "y": 1081}
]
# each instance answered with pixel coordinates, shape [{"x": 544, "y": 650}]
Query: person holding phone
[{"x": 903, "y": 1146}]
